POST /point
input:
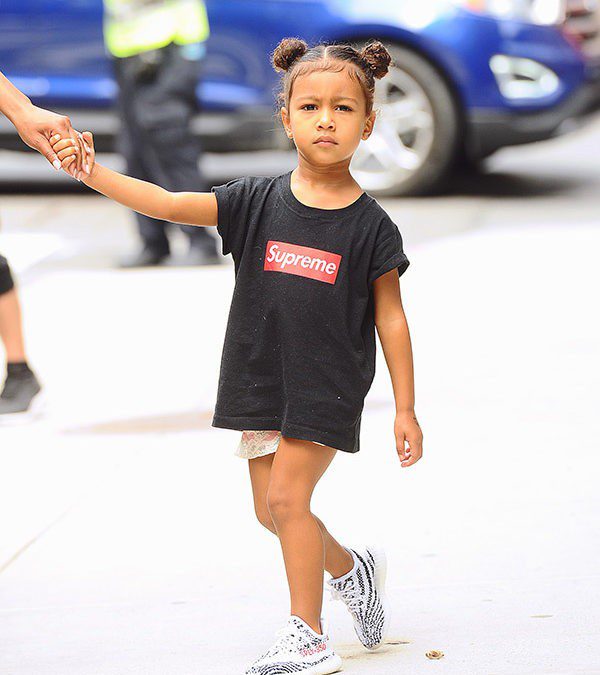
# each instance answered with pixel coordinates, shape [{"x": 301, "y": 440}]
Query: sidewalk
[{"x": 130, "y": 544}]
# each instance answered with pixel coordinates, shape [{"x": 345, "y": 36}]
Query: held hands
[
  {"x": 36, "y": 126},
  {"x": 406, "y": 428},
  {"x": 77, "y": 158}
]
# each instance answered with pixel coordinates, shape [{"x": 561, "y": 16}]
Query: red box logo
[{"x": 302, "y": 261}]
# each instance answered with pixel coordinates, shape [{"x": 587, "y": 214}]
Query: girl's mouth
[{"x": 325, "y": 140}]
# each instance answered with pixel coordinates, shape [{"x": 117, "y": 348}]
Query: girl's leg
[
  {"x": 297, "y": 467},
  {"x": 337, "y": 559},
  {"x": 260, "y": 475}
]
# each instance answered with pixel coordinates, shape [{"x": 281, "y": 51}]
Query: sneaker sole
[
  {"x": 380, "y": 575},
  {"x": 332, "y": 665}
]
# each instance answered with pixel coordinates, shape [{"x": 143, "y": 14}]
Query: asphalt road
[{"x": 129, "y": 542}]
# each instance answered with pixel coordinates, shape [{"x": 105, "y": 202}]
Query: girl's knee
[{"x": 283, "y": 505}]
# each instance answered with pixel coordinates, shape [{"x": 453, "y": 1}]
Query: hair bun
[
  {"x": 288, "y": 51},
  {"x": 377, "y": 57}
]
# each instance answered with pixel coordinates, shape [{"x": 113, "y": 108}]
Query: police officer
[{"x": 158, "y": 47}]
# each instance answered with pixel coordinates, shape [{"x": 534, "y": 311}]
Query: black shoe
[
  {"x": 18, "y": 393},
  {"x": 199, "y": 256},
  {"x": 147, "y": 257}
]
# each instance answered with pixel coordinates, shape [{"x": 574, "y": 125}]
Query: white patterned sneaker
[
  {"x": 298, "y": 649},
  {"x": 362, "y": 590}
]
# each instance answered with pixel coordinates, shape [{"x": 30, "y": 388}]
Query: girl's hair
[{"x": 294, "y": 57}]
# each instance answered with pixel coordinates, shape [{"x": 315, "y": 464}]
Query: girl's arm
[
  {"x": 190, "y": 208},
  {"x": 394, "y": 336}
]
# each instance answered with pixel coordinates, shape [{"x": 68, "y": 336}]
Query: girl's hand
[
  {"x": 406, "y": 428},
  {"x": 67, "y": 151}
]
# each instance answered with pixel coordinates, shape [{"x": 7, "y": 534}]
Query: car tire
[{"x": 435, "y": 138}]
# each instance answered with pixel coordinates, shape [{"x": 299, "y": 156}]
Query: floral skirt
[{"x": 258, "y": 443}]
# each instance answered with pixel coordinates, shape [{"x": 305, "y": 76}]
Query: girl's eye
[{"x": 312, "y": 105}]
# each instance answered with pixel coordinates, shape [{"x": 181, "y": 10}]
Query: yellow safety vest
[{"x": 135, "y": 26}]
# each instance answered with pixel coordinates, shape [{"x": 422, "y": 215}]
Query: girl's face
[{"x": 327, "y": 104}]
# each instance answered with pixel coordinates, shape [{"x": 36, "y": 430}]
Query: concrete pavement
[{"x": 129, "y": 543}]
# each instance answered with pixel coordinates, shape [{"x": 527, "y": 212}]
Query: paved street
[{"x": 129, "y": 543}]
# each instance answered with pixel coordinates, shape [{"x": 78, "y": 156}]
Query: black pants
[
  {"x": 6, "y": 280},
  {"x": 156, "y": 103}
]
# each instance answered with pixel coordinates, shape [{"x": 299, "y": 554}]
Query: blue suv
[{"x": 469, "y": 76}]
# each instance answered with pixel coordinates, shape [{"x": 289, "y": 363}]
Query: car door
[
  {"x": 53, "y": 50},
  {"x": 237, "y": 69}
]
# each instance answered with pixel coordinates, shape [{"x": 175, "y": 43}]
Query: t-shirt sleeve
[
  {"x": 233, "y": 205},
  {"x": 388, "y": 252}
]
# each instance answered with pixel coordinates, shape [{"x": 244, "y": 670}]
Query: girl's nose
[{"x": 326, "y": 121}]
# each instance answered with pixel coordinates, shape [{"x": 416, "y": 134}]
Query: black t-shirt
[{"x": 299, "y": 349}]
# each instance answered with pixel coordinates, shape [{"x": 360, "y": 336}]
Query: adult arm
[{"x": 35, "y": 125}]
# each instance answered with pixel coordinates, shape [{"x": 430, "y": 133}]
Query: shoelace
[
  {"x": 287, "y": 637},
  {"x": 353, "y": 599}
]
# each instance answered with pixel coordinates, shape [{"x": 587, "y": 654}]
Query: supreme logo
[{"x": 302, "y": 261}]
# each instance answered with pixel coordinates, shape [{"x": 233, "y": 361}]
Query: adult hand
[{"x": 36, "y": 126}]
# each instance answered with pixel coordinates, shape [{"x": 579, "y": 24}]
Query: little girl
[{"x": 317, "y": 264}]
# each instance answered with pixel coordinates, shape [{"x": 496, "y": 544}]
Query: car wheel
[{"x": 415, "y": 137}]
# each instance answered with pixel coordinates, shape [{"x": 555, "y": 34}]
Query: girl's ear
[
  {"x": 369, "y": 124},
  {"x": 285, "y": 118}
]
